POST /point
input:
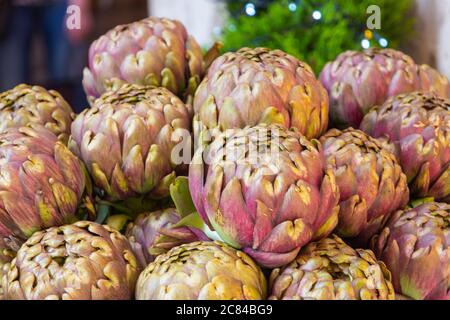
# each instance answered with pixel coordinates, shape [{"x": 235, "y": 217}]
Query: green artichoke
[
  {"x": 26, "y": 105},
  {"x": 152, "y": 234},
  {"x": 82, "y": 261},
  {"x": 415, "y": 245},
  {"x": 418, "y": 126},
  {"x": 153, "y": 51},
  {"x": 127, "y": 140},
  {"x": 265, "y": 190},
  {"x": 42, "y": 183},
  {"x": 332, "y": 270},
  {"x": 357, "y": 81},
  {"x": 370, "y": 180},
  {"x": 202, "y": 271},
  {"x": 254, "y": 86}
]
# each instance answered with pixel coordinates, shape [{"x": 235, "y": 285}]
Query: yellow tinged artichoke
[
  {"x": 41, "y": 186},
  {"x": 127, "y": 138},
  {"x": 202, "y": 271},
  {"x": 260, "y": 86},
  {"x": 26, "y": 105},
  {"x": 82, "y": 261},
  {"x": 331, "y": 270}
]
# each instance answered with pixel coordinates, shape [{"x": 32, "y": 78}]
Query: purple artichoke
[
  {"x": 152, "y": 234},
  {"x": 415, "y": 245},
  {"x": 370, "y": 180},
  {"x": 418, "y": 126},
  {"x": 265, "y": 189},
  {"x": 127, "y": 139},
  {"x": 357, "y": 81},
  {"x": 41, "y": 185},
  {"x": 153, "y": 51},
  {"x": 254, "y": 86}
]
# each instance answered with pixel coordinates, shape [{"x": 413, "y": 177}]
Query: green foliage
[{"x": 341, "y": 27}]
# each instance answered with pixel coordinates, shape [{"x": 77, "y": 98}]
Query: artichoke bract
[
  {"x": 254, "y": 86},
  {"x": 202, "y": 271},
  {"x": 152, "y": 234},
  {"x": 418, "y": 127},
  {"x": 3, "y": 271},
  {"x": 415, "y": 245},
  {"x": 42, "y": 183},
  {"x": 5, "y": 258},
  {"x": 331, "y": 270},
  {"x": 154, "y": 51},
  {"x": 370, "y": 180},
  {"x": 127, "y": 139},
  {"x": 357, "y": 81},
  {"x": 81, "y": 261},
  {"x": 2, "y": 295},
  {"x": 26, "y": 105},
  {"x": 265, "y": 190}
]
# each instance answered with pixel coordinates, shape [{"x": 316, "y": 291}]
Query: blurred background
[{"x": 37, "y": 48}]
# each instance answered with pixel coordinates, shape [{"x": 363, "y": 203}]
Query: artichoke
[
  {"x": 357, "y": 81},
  {"x": 26, "y": 105},
  {"x": 153, "y": 51},
  {"x": 82, "y": 261},
  {"x": 254, "y": 86},
  {"x": 265, "y": 190},
  {"x": 332, "y": 270},
  {"x": 127, "y": 139},
  {"x": 152, "y": 234},
  {"x": 418, "y": 126},
  {"x": 415, "y": 245},
  {"x": 202, "y": 271},
  {"x": 42, "y": 183},
  {"x": 370, "y": 180}
]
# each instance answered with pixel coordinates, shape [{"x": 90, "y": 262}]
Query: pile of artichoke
[{"x": 193, "y": 176}]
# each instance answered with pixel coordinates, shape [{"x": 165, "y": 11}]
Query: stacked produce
[
  {"x": 371, "y": 182},
  {"x": 415, "y": 245},
  {"x": 153, "y": 51},
  {"x": 82, "y": 261},
  {"x": 357, "y": 81},
  {"x": 41, "y": 186},
  {"x": 154, "y": 233},
  {"x": 118, "y": 203},
  {"x": 418, "y": 126},
  {"x": 265, "y": 189},
  {"x": 26, "y": 105},
  {"x": 256, "y": 86},
  {"x": 126, "y": 140},
  {"x": 331, "y": 270},
  {"x": 202, "y": 271}
]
